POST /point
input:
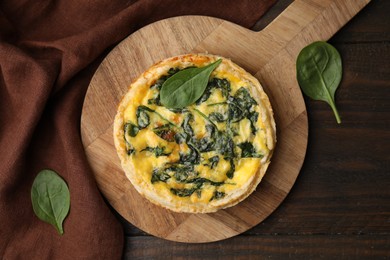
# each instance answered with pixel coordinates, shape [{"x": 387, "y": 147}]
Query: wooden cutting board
[{"x": 269, "y": 55}]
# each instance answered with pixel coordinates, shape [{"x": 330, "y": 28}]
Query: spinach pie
[{"x": 208, "y": 155}]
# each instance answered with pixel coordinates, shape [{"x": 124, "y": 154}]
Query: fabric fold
[{"x": 49, "y": 51}]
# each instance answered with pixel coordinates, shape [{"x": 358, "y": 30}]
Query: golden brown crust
[{"x": 145, "y": 188}]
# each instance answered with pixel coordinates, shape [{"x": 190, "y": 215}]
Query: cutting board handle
[
  {"x": 269, "y": 55},
  {"x": 320, "y": 18},
  {"x": 301, "y": 23}
]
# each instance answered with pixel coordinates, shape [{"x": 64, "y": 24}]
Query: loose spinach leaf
[
  {"x": 131, "y": 129},
  {"x": 248, "y": 151},
  {"x": 319, "y": 72},
  {"x": 186, "y": 86},
  {"x": 165, "y": 132},
  {"x": 158, "y": 151},
  {"x": 50, "y": 198}
]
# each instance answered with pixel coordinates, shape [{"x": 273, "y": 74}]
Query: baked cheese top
[{"x": 209, "y": 155}]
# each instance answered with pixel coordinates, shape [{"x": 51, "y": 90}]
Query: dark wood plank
[
  {"x": 370, "y": 25},
  {"x": 343, "y": 185},
  {"x": 339, "y": 206},
  {"x": 260, "y": 247}
]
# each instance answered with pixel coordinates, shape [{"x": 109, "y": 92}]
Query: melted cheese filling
[{"x": 145, "y": 162}]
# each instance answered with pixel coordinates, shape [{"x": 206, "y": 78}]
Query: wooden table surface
[{"x": 339, "y": 206}]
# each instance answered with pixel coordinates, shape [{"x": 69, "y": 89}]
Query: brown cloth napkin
[{"x": 49, "y": 51}]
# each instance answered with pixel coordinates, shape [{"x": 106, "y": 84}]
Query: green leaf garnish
[
  {"x": 50, "y": 198},
  {"x": 186, "y": 86},
  {"x": 319, "y": 72}
]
